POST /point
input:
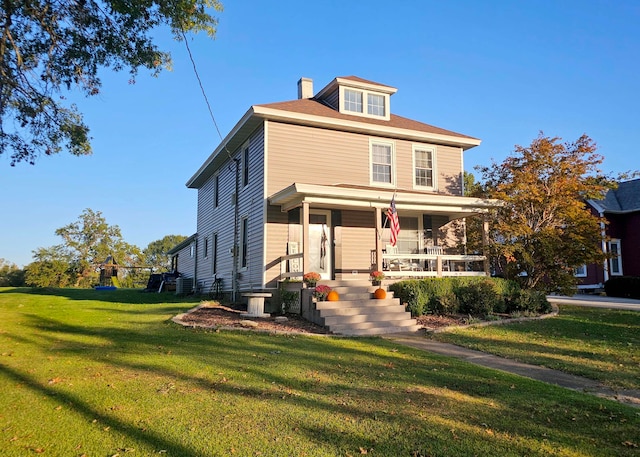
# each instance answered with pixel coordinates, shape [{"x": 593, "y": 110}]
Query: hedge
[
  {"x": 623, "y": 287},
  {"x": 476, "y": 296}
]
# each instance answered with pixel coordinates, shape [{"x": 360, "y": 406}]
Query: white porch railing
[
  {"x": 291, "y": 266},
  {"x": 426, "y": 265},
  {"x": 398, "y": 265}
]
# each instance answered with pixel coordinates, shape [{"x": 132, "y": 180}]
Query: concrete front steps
[{"x": 358, "y": 313}]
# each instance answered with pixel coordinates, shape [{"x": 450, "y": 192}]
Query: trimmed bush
[
  {"x": 477, "y": 296},
  {"x": 623, "y": 287}
]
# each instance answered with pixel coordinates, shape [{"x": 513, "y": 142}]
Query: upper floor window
[
  {"x": 364, "y": 103},
  {"x": 245, "y": 166},
  {"x": 423, "y": 166},
  {"x": 353, "y": 100},
  {"x": 216, "y": 191},
  {"x": 382, "y": 163},
  {"x": 375, "y": 104},
  {"x": 205, "y": 248}
]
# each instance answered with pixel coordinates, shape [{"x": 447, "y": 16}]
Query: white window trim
[
  {"x": 619, "y": 257},
  {"x": 392, "y": 144},
  {"x": 434, "y": 168},
  {"x": 365, "y": 95},
  {"x": 581, "y": 275}
]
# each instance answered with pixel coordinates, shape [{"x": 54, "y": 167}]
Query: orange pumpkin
[
  {"x": 380, "y": 294},
  {"x": 333, "y": 296}
]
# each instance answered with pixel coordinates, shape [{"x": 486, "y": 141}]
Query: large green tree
[
  {"x": 10, "y": 274},
  {"x": 48, "y": 47},
  {"x": 86, "y": 244},
  {"x": 545, "y": 230},
  {"x": 155, "y": 254}
]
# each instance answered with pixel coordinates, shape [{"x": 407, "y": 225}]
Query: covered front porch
[{"x": 347, "y": 236}]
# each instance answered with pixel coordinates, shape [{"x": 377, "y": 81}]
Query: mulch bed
[{"x": 215, "y": 315}]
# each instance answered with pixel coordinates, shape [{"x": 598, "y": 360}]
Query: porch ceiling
[{"x": 336, "y": 197}]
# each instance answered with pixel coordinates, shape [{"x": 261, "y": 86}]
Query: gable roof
[{"x": 624, "y": 199}]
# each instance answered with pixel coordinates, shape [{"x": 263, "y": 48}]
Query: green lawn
[
  {"x": 107, "y": 373},
  {"x": 599, "y": 344}
]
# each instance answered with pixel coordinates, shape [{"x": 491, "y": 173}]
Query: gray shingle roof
[{"x": 625, "y": 198}]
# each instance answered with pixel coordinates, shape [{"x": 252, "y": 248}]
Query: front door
[{"x": 320, "y": 242}]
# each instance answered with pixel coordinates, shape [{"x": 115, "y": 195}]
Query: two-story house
[
  {"x": 620, "y": 208},
  {"x": 304, "y": 185}
]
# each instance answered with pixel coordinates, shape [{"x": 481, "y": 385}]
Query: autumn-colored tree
[{"x": 545, "y": 230}]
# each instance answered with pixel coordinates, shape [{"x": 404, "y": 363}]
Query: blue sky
[{"x": 500, "y": 71}]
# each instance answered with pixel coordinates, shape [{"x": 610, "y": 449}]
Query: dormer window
[
  {"x": 375, "y": 104},
  {"x": 364, "y": 103},
  {"x": 353, "y": 100}
]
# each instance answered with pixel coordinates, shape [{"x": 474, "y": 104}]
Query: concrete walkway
[
  {"x": 596, "y": 301},
  {"x": 559, "y": 378}
]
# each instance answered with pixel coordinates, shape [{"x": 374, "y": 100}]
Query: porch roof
[{"x": 344, "y": 197}]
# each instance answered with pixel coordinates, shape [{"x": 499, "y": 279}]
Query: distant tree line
[{"x": 86, "y": 244}]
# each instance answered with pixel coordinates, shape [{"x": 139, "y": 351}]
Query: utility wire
[{"x": 204, "y": 94}]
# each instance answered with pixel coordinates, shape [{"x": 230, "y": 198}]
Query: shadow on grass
[
  {"x": 341, "y": 378},
  {"x": 84, "y": 409},
  {"x": 125, "y": 296}
]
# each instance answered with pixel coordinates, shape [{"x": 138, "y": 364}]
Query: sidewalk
[
  {"x": 416, "y": 340},
  {"x": 596, "y": 301}
]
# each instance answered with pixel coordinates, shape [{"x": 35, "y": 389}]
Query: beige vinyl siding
[
  {"x": 250, "y": 205},
  {"x": 278, "y": 234},
  {"x": 187, "y": 263},
  {"x": 327, "y": 157},
  {"x": 355, "y": 239},
  {"x": 220, "y": 220},
  {"x": 312, "y": 155},
  {"x": 449, "y": 170}
]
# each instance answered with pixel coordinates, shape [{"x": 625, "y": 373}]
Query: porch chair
[
  {"x": 436, "y": 250},
  {"x": 400, "y": 264}
]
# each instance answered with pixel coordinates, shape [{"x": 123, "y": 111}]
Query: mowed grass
[
  {"x": 599, "y": 344},
  {"x": 86, "y": 373}
]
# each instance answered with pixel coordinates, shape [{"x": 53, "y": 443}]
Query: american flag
[{"x": 394, "y": 223}]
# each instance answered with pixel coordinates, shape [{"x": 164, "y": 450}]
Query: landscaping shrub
[
  {"x": 623, "y": 287},
  {"x": 527, "y": 302},
  {"x": 477, "y": 298}
]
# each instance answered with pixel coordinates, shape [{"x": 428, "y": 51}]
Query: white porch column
[
  {"x": 485, "y": 244},
  {"x": 378, "y": 216},
  {"x": 306, "y": 262}
]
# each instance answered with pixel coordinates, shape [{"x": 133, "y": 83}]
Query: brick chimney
[{"x": 305, "y": 88}]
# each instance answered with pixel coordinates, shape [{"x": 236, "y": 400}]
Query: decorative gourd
[
  {"x": 380, "y": 294},
  {"x": 333, "y": 296}
]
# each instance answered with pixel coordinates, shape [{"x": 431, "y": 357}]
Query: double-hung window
[
  {"x": 244, "y": 242},
  {"x": 353, "y": 100},
  {"x": 615, "y": 261},
  {"x": 360, "y": 102},
  {"x": 245, "y": 166},
  {"x": 375, "y": 104},
  {"x": 423, "y": 166},
  {"x": 216, "y": 191},
  {"x": 382, "y": 166}
]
